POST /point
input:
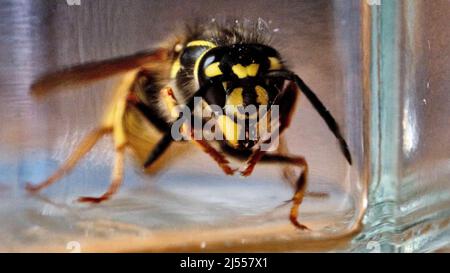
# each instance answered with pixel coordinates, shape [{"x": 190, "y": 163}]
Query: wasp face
[{"x": 241, "y": 89}]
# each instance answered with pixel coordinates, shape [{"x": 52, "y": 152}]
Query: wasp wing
[{"x": 96, "y": 70}]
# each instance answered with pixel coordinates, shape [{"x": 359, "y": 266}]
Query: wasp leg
[
  {"x": 217, "y": 156},
  {"x": 86, "y": 145},
  {"x": 290, "y": 176},
  {"x": 251, "y": 162},
  {"x": 287, "y": 103},
  {"x": 112, "y": 124},
  {"x": 300, "y": 186},
  {"x": 220, "y": 159},
  {"x": 288, "y": 172},
  {"x": 114, "y": 118},
  {"x": 254, "y": 158},
  {"x": 116, "y": 179}
]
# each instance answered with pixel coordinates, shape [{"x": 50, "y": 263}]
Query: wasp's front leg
[
  {"x": 218, "y": 157},
  {"x": 251, "y": 162},
  {"x": 255, "y": 157}
]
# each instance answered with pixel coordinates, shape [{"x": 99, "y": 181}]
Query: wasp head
[{"x": 237, "y": 75}]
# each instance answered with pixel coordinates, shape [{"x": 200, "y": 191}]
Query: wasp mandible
[{"x": 229, "y": 65}]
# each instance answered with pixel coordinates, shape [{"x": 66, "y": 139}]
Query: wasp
[{"x": 228, "y": 65}]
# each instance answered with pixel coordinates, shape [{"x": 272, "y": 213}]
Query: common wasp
[{"x": 230, "y": 66}]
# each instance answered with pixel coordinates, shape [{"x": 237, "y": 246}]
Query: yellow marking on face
[
  {"x": 239, "y": 71},
  {"x": 201, "y": 43},
  {"x": 176, "y": 66},
  {"x": 235, "y": 97},
  {"x": 235, "y": 104},
  {"x": 261, "y": 95},
  {"x": 245, "y": 71},
  {"x": 213, "y": 70},
  {"x": 252, "y": 70},
  {"x": 229, "y": 128},
  {"x": 274, "y": 63}
]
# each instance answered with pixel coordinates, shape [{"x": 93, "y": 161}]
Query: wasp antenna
[
  {"x": 320, "y": 108},
  {"x": 325, "y": 114}
]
